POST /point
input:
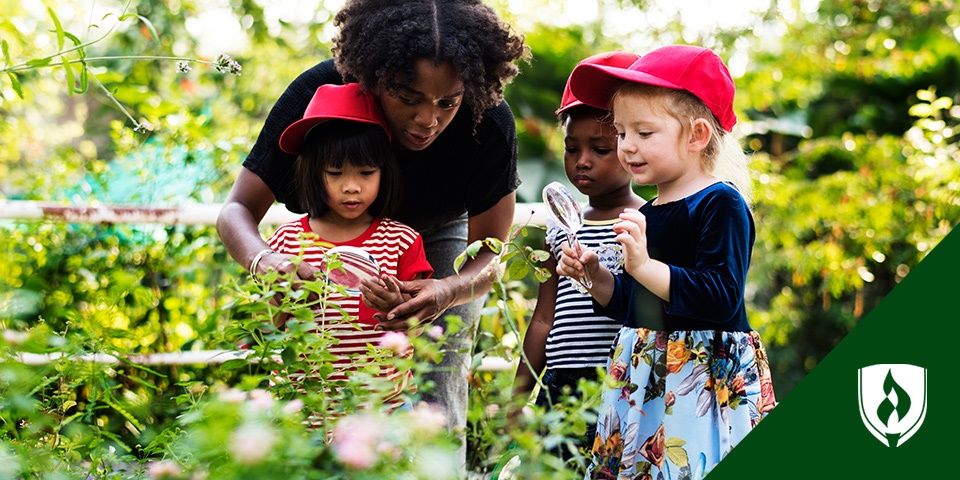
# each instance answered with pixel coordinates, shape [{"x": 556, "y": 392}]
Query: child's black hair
[
  {"x": 380, "y": 40},
  {"x": 599, "y": 114},
  {"x": 334, "y": 143}
]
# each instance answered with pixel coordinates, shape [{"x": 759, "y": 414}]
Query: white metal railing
[
  {"x": 205, "y": 357},
  {"x": 198, "y": 214}
]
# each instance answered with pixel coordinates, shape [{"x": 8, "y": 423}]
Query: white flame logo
[{"x": 893, "y": 401}]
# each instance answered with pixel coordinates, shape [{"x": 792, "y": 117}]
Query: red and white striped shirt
[{"x": 399, "y": 251}]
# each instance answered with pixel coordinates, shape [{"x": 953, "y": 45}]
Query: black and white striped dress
[{"x": 580, "y": 338}]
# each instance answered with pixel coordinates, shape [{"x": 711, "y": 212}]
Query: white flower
[{"x": 225, "y": 64}]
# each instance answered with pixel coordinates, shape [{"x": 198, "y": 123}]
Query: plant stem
[{"x": 137, "y": 127}]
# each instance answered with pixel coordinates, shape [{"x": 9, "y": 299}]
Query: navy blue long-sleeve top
[{"x": 706, "y": 239}]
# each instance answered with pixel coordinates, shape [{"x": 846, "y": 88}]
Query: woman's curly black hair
[{"x": 380, "y": 40}]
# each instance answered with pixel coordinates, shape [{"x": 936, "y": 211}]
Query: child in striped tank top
[
  {"x": 348, "y": 181},
  {"x": 565, "y": 340}
]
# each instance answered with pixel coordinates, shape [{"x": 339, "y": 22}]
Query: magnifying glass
[
  {"x": 508, "y": 467},
  {"x": 348, "y": 266},
  {"x": 564, "y": 209}
]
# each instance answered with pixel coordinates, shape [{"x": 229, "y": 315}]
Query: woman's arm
[
  {"x": 431, "y": 297},
  {"x": 246, "y": 204}
]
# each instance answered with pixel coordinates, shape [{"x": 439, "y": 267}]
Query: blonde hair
[{"x": 722, "y": 157}]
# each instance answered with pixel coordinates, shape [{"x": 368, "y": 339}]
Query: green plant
[{"x": 74, "y": 62}]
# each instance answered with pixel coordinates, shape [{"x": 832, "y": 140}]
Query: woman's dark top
[
  {"x": 706, "y": 240},
  {"x": 458, "y": 173}
]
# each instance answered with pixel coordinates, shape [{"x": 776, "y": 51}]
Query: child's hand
[
  {"x": 382, "y": 294},
  {"x": 632, "y": 235},
  {"x": 571, "y": 264}
]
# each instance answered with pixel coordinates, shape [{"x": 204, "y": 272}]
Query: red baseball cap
[
  {"x": 617, "y": 58},
  {"x": 333, "y": 102},
  {"x": 681, "y": 67}
]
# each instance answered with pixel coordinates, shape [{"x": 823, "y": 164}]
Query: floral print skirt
[{"x": 675, "y": 403}]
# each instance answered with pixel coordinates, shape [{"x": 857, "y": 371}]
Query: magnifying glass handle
[{"x": 585, "y": 281}]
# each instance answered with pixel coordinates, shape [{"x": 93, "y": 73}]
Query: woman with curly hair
[{"x": 438, "y": 68}]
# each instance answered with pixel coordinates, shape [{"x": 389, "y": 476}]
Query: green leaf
[
  {"x": 539, "y": 256},
  {"x": 139, "y": 367},
  {"x": 289, "y": 356},
  {"x": 507, "y": 256},
  {"x": 234, "y": 364},
  {"x": 58, "y": 27},
  {"x": 123, "y": 412},
  {"x": 5, "y": 48},
  {"x": 68, "y": 69},
  {"x": 459, "y": 261},
  {"x": 474, "y": 248},
  {"x": 153, "y": 31},
  {"x": 76, "y": 42},
  {"x": 39, "y": 62},
  {"x": 16, "y": 84},
  {"x": 83, "y": 79},
  {"x": 578, "y": 426},
  {"x": 541, "y": 274},
  {"x": 494, "y": 244},
  {"x": 517, "y": 270}
]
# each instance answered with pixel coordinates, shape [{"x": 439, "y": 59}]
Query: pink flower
[
  {"x": 14, "y": 337},
  {"x": 427, "y": 420},
  {"x": 396, "y": 341},
  {"x": 262, "y": 399},
  {"x": 357, "y": 440},
  {"x": 251, "y": 443},
  {"x": 435, "y": 332},
  {"x": 163, "y": 469},
  {"x": 293, "y": 406},
  {"x": 233, "y": 395}
]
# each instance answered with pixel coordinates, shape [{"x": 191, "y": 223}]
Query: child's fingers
[
  {"x": 372, "y": 297},
  {"x": 569, "y": 266},
  {"x": 391, "y": 284}
]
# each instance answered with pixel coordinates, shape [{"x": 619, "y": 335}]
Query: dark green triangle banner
[{"x": 887, "y": 380}]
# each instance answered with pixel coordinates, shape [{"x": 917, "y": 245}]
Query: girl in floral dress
[{"x": 687, "y": 378}]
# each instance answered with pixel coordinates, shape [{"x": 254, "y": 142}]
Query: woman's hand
[
  {"x": 428, "y": 299},
  {"x": 286, "y": 264},
  {"x": 381, "y": 294}
]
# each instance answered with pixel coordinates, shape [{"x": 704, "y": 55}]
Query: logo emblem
[{"x": 893, "y": 401}]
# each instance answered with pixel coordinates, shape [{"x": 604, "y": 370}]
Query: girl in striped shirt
[
  {"x": 346, "y": 176},
  {"x": 566, "y": 341}
]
